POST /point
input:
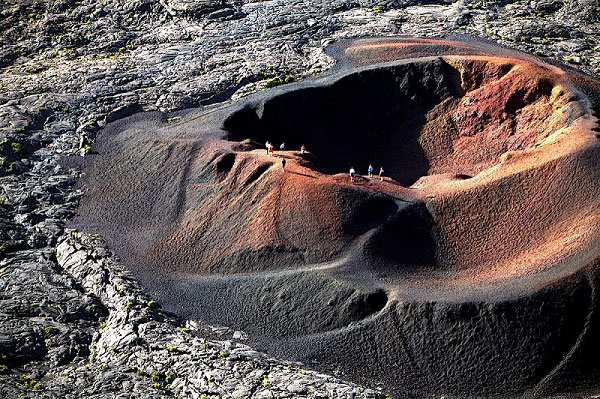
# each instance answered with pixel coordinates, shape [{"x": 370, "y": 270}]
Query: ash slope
[{"x": 381, "y": 281}]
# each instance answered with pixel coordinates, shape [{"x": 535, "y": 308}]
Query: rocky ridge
[{"x": 70, "y": 66}]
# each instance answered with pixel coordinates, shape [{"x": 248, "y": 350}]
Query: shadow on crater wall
[{"x": 372, "y": 116}]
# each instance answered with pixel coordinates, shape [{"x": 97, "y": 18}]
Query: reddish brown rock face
[{"x": 491, "y": 196}]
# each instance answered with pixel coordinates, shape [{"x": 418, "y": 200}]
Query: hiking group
[
  {"x": 352, "y": 173},
  {"x": 270, "y": 152}
]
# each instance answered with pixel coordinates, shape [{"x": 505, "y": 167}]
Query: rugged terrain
[
  {"x": 317, "y": 268},
  {"x": 72, "y": 322}
]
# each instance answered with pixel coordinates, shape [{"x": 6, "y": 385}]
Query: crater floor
[{"x": 473, "y": 264}]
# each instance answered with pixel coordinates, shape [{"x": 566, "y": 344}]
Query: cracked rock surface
[
  {"x": 73, "y": 323},
  {"x": 95, "y": 333}
]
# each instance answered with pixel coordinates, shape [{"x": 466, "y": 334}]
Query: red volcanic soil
[
  {"x": 488, "y": 208},
  {"x": 493, "y": 146}
]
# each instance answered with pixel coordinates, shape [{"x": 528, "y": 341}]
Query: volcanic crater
[{"x": 472, "y": 265}]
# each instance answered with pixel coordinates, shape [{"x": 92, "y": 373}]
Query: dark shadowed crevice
[
  {"x": 376, "y": 301},
  {"x": 368, "y": 210},
  {"x": 462, "y": 176},
  {"x": 407, "y": 239},
  {"x": 256, "y": 174},
  {"x": 224, "y": 165},
  {"x": 243, "y": 119},
  {"x": 515, "y": 102},
  {"x": 362, "y": 305}
]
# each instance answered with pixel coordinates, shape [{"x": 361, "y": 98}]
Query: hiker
[
  {"x": 268, "y": 145},
  {"x": 303, "y": 149},
  {"x": 270, "y": 150},
  {"x": 282, "y": 146},
  {"x": 381, "y": 174},
  {"x": 370, "y": 171},
  {"x": 352, "y": 173},
  {"x": 283, "y": 165}
]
